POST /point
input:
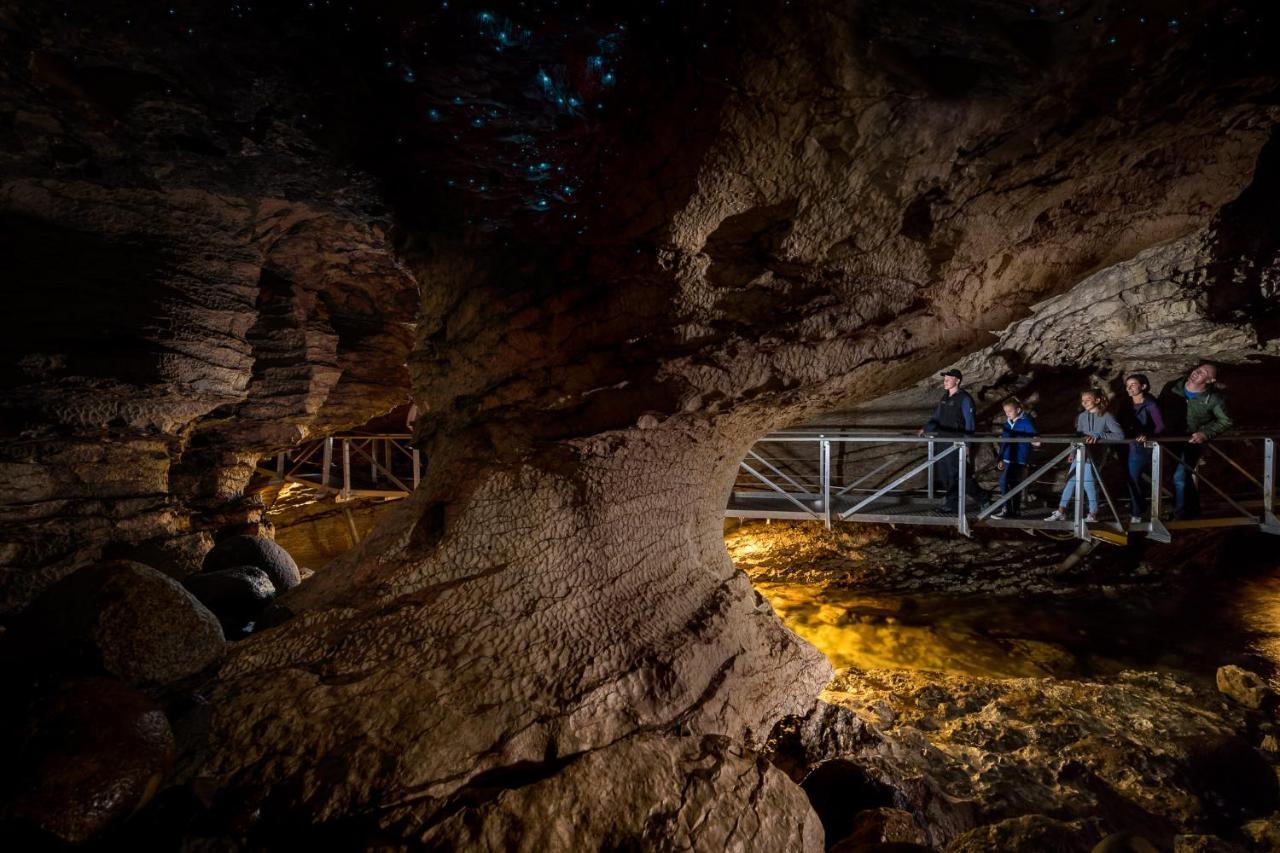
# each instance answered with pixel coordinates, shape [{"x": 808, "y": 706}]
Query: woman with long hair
[
  {"x": 1096, "y": 424},
  {"x": 1144, "y": 421}
]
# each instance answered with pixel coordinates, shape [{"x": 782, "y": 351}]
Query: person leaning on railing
[
  {"x": 1013, "y": 455},
  {"x": 1142, "y": 421},
  {"x": 1096, "y": 424},
  {"x": 1192, "y": 405}
]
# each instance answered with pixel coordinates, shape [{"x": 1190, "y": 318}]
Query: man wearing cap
[{"x": 954, "y": 416}]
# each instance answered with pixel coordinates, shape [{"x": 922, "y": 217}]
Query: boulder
[
  {"x": 677, "y": 793},
  {"x": 91, "y": 752},
  {"x": 1243, "y": 686},
  {"x": 881, "y": 826},
  {"x": 1027, "y": 834},
  {"x": 255, "y": 551},
  {"x": 126, "y": 619},
  {"x": 1202, "y": 844},
  {"x": 237, "y": 596}
]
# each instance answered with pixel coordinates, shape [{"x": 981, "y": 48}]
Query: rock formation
[{"x": 870, "y": 186}]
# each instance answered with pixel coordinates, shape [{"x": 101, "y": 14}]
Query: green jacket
[{"x": 1206, "y": 413}]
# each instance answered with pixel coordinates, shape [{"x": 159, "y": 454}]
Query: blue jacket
[{"x": 1017, "y": 453}]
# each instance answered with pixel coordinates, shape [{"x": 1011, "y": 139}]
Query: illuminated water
[{"x": 1192, "y": 628}]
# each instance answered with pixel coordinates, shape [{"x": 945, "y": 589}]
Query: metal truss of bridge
[
  {"x": 351, "y": 466},
  {"x": 898, "y": 479}
]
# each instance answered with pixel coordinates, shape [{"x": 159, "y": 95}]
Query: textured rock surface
[
  {"x": 686, "y": 793},
  {"x": 873, "y": 185},
  {"x": 196, "y": 283},
  {"x": 125, "y": 618},
  {"x": 1030, "y": 834},
  {"x": 266, "y": 555},
  {"x": 315, "y": 533},
  {"x": 87, "y": 754},
  {"x": 1141, "y": 752},
  {"x": 1244, "y": 687},
  {"x": 559, "y": 582}
]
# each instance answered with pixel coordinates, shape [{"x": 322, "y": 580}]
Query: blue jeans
[
  {"x": 1010, "y": 477},
  {"x": 1186, "y": 497},
  {"x": 1139, "y": 463},
  {"x": 1090, "y": 488}
]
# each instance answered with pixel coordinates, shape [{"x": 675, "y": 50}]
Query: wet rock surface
[
  {"x": 1085, "y": 749},
  {"x": 86, "y": 754},
  {"x": 123, "y": 618},
  {"x": 1244, "y": 687}
]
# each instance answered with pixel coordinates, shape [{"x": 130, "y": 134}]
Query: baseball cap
[{"x": 951, "y": 371}]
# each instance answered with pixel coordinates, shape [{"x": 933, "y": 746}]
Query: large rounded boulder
[
  {"x": 126, "y": 619},
  {"x": 86, "y": 754},
  {"x": 237, "y": 596},
  {"x": 255, "y": 551}
]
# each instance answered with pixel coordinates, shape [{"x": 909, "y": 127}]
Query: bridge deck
[{"x": 890, "y": 479}]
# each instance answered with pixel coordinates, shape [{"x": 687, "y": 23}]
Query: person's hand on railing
[
  {"x": 1000, "y": 465},
  {"x": 1090, "y": 439},
  {"x": 1142, "y": 439},
  {"x": 1198, "y": 438}
]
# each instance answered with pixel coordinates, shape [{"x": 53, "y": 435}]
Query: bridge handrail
[{"x": 1043, "y": 438}]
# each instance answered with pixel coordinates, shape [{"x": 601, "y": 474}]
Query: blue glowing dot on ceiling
[
  {"x": 486, "y": 17},
  {"x": 477, "y": 122},
  {"x": 434, "y": 115},
  {"x": 1112, "y": 40},
  {"x": 608, "y": 78},
  {"x": 409, "y": 76},
  {"x": 457, "y": 100}
]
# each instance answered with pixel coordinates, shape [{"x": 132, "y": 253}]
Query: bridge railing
[{"x": 877, "y": 477}]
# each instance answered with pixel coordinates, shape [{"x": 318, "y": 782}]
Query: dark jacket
[
  {"x": 1184, "y": 415},
  {"x": 1017, "y": 453},
  {"x": 953, "y": 415},
  {"x": 1143, "y": 419}
]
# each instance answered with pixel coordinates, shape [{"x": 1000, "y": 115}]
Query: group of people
[{"x": 1188, "y": 406}]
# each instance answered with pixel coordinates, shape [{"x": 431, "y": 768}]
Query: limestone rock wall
[
  {"x": 191, "y": 283},
  {"x": 560, "y": 584},
  {"x": 865, "y": 188}
]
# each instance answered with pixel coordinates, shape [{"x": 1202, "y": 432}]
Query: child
[
  {"x": 1013, "y": 455},
  {"x": 1095, "y": 423}
]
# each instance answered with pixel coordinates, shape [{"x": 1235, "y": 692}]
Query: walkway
[{"x": 896, "y": 479}]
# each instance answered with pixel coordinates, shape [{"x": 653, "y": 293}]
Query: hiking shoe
[
  {"x": 1057, "y": 515},
  {"x": 1091, "y": 518},
  {"x": 1137, "y": 519}
]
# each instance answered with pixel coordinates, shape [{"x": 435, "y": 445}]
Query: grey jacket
[{"x": 1101, "y": 426}]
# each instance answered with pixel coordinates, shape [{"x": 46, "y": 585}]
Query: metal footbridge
[{"x": 858, "y": 476}]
